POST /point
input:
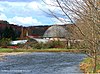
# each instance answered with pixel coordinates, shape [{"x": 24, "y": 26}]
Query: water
[{"x": 42, "y": 63}]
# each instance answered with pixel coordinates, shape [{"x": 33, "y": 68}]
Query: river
[{"x": 42, "y": 63}]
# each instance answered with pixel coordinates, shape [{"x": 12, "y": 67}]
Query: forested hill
[
  {"x": 9, "y": 30},
  {"x": 14, "y": 31}
]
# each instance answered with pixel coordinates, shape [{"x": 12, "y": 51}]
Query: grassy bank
[
  {"x": 87, "y": 65},
  {"x": 42, "y": 50},
  {"x": 6, "y": 50}
]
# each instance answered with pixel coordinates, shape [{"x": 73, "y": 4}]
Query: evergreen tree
[{"x": 9, "y": 32}]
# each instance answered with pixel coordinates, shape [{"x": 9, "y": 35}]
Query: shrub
[
  {"x": 4, "y": 42},
  {"x": 36, "y": 45},
  {"x": 52, "y": 44}
]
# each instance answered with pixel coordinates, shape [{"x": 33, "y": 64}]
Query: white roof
[
  {"x": 18, "y": 42},
  {"x": 41, "y": 40}
]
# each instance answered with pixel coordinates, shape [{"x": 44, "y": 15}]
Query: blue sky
[{"x": 27, "y": 12}]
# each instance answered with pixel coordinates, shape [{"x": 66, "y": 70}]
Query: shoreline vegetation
[
  {"x": 85, "y": 65},
  {"x": 8, "y": 50}
]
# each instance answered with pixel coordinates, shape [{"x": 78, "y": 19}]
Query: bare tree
[{"x": 85, "y": 16}]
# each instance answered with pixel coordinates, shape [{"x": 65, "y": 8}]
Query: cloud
[
  {"x": 61, "y": 21},
  {"x": 21, "y": 13},
  {"x": 3, "y": 16},
  {"x": 25, "y": 21},
  {"x": 1, "y": 8},
  {"x": 34, "y": 5},
  {"x": 21, "y": 8},
  {"x": 27, "y": 12}
]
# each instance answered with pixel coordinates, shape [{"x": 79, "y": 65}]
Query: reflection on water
[{"x": 42, "y": 63}]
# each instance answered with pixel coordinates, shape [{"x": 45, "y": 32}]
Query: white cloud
[
  {"x": 26, "y": 13},
  {"x": 18, "y": 13},
  {"x": 1, "y": 8},
  {"x": 34, "y": 5},
  {"x": 25, "y": 21},
  {"x": 61, "y": 21},
  {"x": 3, "y": 16},
  {"x": 15, "y": 3},
  {"x": 50, "y": 4}
]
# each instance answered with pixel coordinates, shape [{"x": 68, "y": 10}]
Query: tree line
[{"x": 9, "y": 32}]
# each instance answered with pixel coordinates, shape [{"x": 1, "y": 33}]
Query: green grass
[
  {"x": 6, "y": 50},
  {"x": 98, "y": 66},
  {"x": 41, "y": 50},
  {"x": 88, "y": 61}
]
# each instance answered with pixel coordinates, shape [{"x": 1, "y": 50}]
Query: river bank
[
  {"x": 87, "y": 66},
  {"x": 4, "y": 50},
  {"x": 13, "y": 53},
  {"x": 3, "y": 54},
  {"x": 7, "y": 51}
]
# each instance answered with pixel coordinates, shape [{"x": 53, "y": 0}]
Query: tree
[
  {"x": 9, "y": 32},
  {"x": 4, "y": 42},
  {"x": 85, "y": 16}
]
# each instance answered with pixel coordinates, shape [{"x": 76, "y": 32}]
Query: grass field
[
  {"x": 41, "y": 50},
  {"x": 6, "y": 50}
]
